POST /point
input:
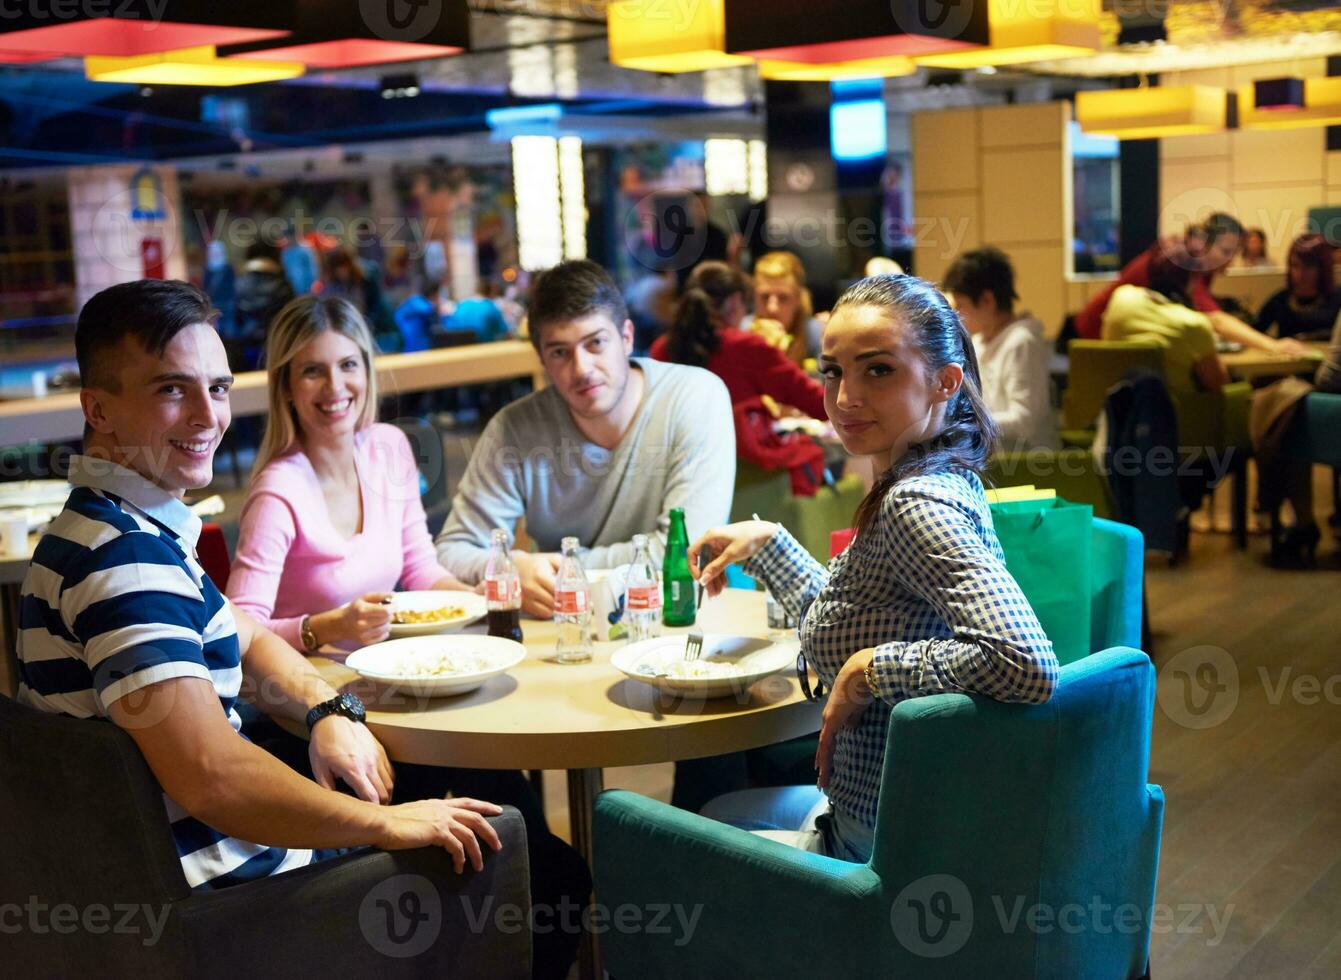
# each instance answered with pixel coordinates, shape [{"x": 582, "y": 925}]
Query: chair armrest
[
  {"x": 731, "y": 903},
  {"x": 365, "y": 914}
]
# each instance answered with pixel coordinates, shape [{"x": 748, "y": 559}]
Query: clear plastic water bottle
[
  {"x": 572, "y": 607},
  {"x": 642, "y": 595}
]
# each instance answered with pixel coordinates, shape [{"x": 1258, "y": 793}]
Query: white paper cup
[{"x": 14, "y": 533}]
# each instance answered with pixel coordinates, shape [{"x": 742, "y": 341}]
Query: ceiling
[{"x": 543, "y": 50}]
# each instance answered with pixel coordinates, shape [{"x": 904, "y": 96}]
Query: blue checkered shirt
[{"x": 927, "y": 587}]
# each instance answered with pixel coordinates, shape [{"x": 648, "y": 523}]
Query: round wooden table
[{"x": 585, "y": 717}]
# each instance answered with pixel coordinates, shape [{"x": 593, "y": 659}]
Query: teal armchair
[
  {"x": 987, "y": 811},
  {"x": 1117, "y": 618}
]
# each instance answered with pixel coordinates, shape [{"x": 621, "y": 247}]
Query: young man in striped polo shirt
[{"x": 118, "y": 621}]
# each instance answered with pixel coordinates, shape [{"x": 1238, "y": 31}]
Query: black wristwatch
[{"x": 343, "y": 704}]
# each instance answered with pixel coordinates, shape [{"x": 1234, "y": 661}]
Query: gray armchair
[{"x": 90, "y": 875}]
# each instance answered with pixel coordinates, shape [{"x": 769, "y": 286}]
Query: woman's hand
[
  {"x": 727, "y": 545},
  {"x": 363, "y": 621},
  {"x": 1289, "y": 347},
  {"x": 848, "y": 699}
]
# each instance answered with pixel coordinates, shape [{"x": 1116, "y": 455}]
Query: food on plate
[
  {"x": 424, "y": 665},
  {"x": 694, "y": 670},
  {"x": 416, "y": 617}
]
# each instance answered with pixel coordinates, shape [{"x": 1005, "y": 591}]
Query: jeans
[{"x": 799, "y": 816}]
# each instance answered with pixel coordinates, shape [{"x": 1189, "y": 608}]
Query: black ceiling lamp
[{"x": 820, "y": 31}]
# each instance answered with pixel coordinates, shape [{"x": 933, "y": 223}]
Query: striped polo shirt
[{"x": 114, "y": 601}]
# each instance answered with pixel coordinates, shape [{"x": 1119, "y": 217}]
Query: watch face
[{"x": 353, "y": 706}]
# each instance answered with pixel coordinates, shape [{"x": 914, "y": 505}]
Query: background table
[
  {"x": 1249, "y": 364},
  {"x": 585, "y": 717}
]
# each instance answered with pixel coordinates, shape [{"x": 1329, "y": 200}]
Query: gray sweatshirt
[{"x": 533, "y": 462}]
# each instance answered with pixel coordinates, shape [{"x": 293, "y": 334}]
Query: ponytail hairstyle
[
  {"x": 970, "y": 434},
  {"x": 692, "y": 338}
]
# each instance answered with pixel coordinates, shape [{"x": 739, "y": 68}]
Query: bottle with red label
[
  {"x": 502, "y": 589},
  {"x": 572, "y": 607},
  {"x": 642, "y": 596}
]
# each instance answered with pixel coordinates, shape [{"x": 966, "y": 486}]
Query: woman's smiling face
[
  {"x": 878, "y": 389},
  {"x": 328, "y": 382}
]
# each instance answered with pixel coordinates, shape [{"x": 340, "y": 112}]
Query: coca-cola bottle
[{"x": 502, "y": 589}]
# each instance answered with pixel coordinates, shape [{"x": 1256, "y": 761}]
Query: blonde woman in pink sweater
[
  {"x": 331, "y": 523},
  {"x": 332, "y": 520}
]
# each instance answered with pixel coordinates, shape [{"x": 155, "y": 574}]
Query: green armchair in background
[
  {"x": 811, "y": 520},
  {"x": 987, "y": 812}
]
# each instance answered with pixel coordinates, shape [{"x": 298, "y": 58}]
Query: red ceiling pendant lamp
[
  {"x": 136, "y": 27},
  {"x": 350, "y": 33}
]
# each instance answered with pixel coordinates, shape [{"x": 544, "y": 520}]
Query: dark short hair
[
  {"x": 572, "y": 290},
  {"x": 153, "y": 311},
  {"x": 1219, "y": 224},
  {"x": 983, "y": 270}
]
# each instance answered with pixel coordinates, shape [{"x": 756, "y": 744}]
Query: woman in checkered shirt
[{"x": 921, "y": 601}]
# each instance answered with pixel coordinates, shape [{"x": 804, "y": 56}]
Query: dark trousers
[{"x": 560, "y": 879}]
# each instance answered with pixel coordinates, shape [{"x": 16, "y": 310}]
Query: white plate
[
  {"x": 756, "y": 658},
  {"x": 385, "y": 662},
  {"x": 476, "y": 608}
]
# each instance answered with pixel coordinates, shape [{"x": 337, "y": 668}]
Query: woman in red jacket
[{"x": 706, "y": 333}]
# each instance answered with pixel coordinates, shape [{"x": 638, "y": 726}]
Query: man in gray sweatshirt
[{"x": 602, "y": 454}]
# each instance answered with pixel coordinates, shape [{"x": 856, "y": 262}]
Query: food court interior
[{"x": 1134, "y": 209}]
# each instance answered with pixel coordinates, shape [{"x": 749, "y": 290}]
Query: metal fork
[{"x": 693, "y": 644}]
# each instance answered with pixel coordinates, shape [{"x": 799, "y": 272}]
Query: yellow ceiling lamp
[
  {"x": 800, "y": 71},
  {"x": 188, "y": 66},
  {"x": 1029, "y": 30},
  {"x": 668, "y": 37},
  {"x": 1322, "y": 107},
  {"x": 1151, "y": 113}
]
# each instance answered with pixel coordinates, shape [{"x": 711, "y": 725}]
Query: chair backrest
[
  {"x": 1315, "y": 433},
  {"x": 1117, "y": 582},
  {"x": 212, "y": 551},
  {"x": 1020, "y": 806},
  {"x": 84, "y": 817},
  {"x": 1097, "y": 365},
  {"x": 426, "y": 442}
]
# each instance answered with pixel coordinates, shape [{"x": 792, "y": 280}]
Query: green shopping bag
[{"x": 1048, "y": 545}]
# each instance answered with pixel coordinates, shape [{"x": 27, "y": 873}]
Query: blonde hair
[
  {"x": 786, "y": 265},
  {"x": 293, "y": 328}
]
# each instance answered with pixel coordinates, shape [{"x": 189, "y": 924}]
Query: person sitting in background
[
  {"x": 128, "y": 628},
  {"x": 783, "y": 314},
  {"x": 1012, "y": 355},
  {"x": 1252, "y": 250},
  {"x": 601, "y": 454},
  {"x": 1203, "y": 250},
  {"x": 480, "y": 314},
  {"x": 262, "y": 291},
  {"x": 331, "y": 524},
  {"x": 345, "y": 275},
  {"x": 418, "y": 317},
  {"x": 921, "y": 601},
  {"x": 706, "y": 332},
  {"x": 1308, "y": 305},
  {"x": 220, "y": 285},
  {"x": 1160, "y": 313}
]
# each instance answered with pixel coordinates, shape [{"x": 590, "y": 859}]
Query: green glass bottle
[{"x": 677, "y": 584}]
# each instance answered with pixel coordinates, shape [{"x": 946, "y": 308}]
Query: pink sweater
[{"x": 291, "y": 562}]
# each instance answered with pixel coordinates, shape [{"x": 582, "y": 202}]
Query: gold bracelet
[
  {"x": 869, "y": 674},
  {"x": 308, "y": 635}
]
